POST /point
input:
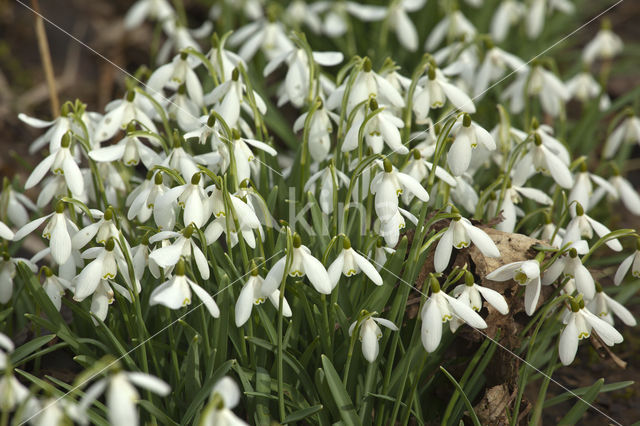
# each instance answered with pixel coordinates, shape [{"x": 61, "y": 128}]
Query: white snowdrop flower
[
  {"x": 103, "y": 229},
  {"x": 6, "y": 232},
  {"x": 180, "y": 38},
  {"x": 439, "y": 309},
  {"x": 625, "y": 192},
  {"x": 207, "y": 129},
  {"x": 175, "y": 293},
  {"x": 472, "y": 294},
  {"x": 571, "y": 266},
  {"x": 419, "y": 168},
  {"x": 537, "y": 81},
  {"x": 224, "y": 61},
  {"x": 142, "y": 199},
  {"x": 302, "y": 263},
  {"x": 454, "y": 25},
  {"x": 460, "y": 234},
  {"x": 224, "y": 396},
  {"x": 628, "y": 131},
  {"x": 119, "y": 114},
  {"x": 507, "y": 14},
  {"x": 579, "y": 324},
  {"x": 349, "y": 263},
  {"x": 535, "y": 18},
  {"x": 8, "y": 273},
  {"x": 159, "y": 10},
  {"x": 606, "y": 307},
  {"x": 400, "y": 22},
  {"x": 512, "y": 196},
  {"x": 251, "y": 294},
  {"x": 434, "y": 90},
  {"x": 367, "y": 84},
  {"x": 192, "y": 198},
  {"x": 298, "y": 12},
  {"x": 270, "y": 37},
  {"x": 296, "y": 82},
  {"x": 549, "y": 232},
  {"x": 12, "y": 392},
  {"x": 326, "y": 186},
  {"x": 320, "y": 129},
  {"x": 15, "y": 206},
  {"x": 467, "y": 136},
  {"x": 104, "y": 267},
  {"x": 182, "y": 161},
  {"x": 130, "y": 150},
  {"x": 463, "y": 60},
  {"x": 55, "y": 287},
  {"x": 464, "y": 194},
  {"x": 583, "y": 87},
  {"x": 583, "y": 226},
  {"x": 103, "y": 296},
  {"x": 173, "y": 75},
  {"x": 336, "y": 15},
  {"x": 60, "y": 162},
  {"x": 630, "y": 262},
  {"x": 370, "y": 333},
  {"x": 526, "y": 273},
  {"x": 582, "y": 191},
  {"x": 386, "y": 187},
  {"x": 382, "y": 128},
  {"x": 245, "y": 159},
  {"x": 184, "y": 246},
  {"x": 58, "y": 231},
  {"x": 248, "y": 223},
  {"x": 543, "y": 160},
  {"x": 605, "y": 45},
  {"x": 121, "y": 395},
  {"x": 381, "y": 254},
  {"x": 182, "y": 109},
  {"x": 494, "y": 66},
  {"x": 390, "y": 229}
]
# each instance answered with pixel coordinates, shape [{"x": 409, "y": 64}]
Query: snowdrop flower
[
  {"x": 571, "y": 266},
  {"x": 180, "y": 38},
  {"x": 467, "y": 136},
  {"x": 142, "y": 199},
  {"x": 247, "y": 219},
  {"x": 386, "y": 187},
  {"x": 535, "y": 18},
  {"x": 336, "y": 15},
  {"x": 121, "y": 395},
  {"x": 268, "y": 36},
  {"x": 545, "y": 161},
  {"x": 537, "y": 81},
  {"x": 16, "y": 205},
  {"x": 507, "y": 14},
  {"x": 439, "y": 309},
  {"x": 367, "y": 84},
  {"x": 296, "y": 82},
  {"x": 103, "y": 229},
  {"x": 460, "y": 234},
  {"x": 6, "y": 232},
  {"x": 512, "y": 196},
  {"x": 299, "y": 12},
  {"x": 582, "y": 191},
  {"x": 627, "y": 132},
  {"x": 454, "y": 25},
  {"x": 103, "y": 267},
  {"x": 604, "y": 306},
  {"x": 12, "y": 392},
  {"x": 224, "y": 396},
  {"x": 320, "y": 129},
  {"x": 625, "y": 192},
  {"x": 526, "y": 273},
  {"x": 381, "y": 253},
  {"x": 327, "y": 186},
  {"x": 251, "y": 294},
  {"x": 579, "y": 324},
  {"x": 224, "y": 61},
  {"x": 380, "y": 129},
  {"x": 390, "y": 229},
  {"x": 463, "y": 194},
  {"x": 175, "y": 74},
  {"x": 130, "y": 150},
  {"x": 494, "y": 66},
  {"x": 302, "y": 263},
  {"x": 58, "y": 231},
  {"x": 349, "y": 262},
  {"x": 584, "y": 87},
  {"x": 434, "y": 90},
  {"x": 55, "y": 287},
  {"x": 605, "y": 45},
  {"x": 175, "y": 293},
  {"x": 419, "y": 168},
  {"x": 119, "y": 114},
  {"x": 583, "y": 226},
  {"x": 159, "y": 10},
  {"x": 193, "y": 200},
  {"x": 8, "y": 273},
  {"x": 370, "y": 333},
  {"x": 60, "y": 162},
  {"x": 103, "y": 296},
  {"x": 631, "y": 262},
  {"x": 472, "y": 294},
  {"x": 403, "y": 26},
  {"x": 183, "y": 246}
]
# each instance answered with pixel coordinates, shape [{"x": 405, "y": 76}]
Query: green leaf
[
  {"x": 302, "y": 414},
  {"x": 156, "y": 412},
  {"x": 575, "y": 414},
  {"x": 204, "y": 392},
  {"x": 581, "y": 391},
  {"x": 339, "y": 394},
  {"x": 263, "y": 385},
  {"x": 474, "y": 417},
  {"x": 29, "y": 347}
]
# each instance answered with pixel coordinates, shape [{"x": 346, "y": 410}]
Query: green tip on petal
[
  {"x": 468, "y": 279},
  {"x": 66, "y": 139},
  {"x": 158, "y": 178},
  {"x": 416, "y": 154},
  {"x": 195, "y": 179},
  {"x": 366, "y": 65},
  {"x": 131, "y": 95},
  {"x": 537, "y": 139},
  {"x": 431, "y": 72},
  {"x": 598, "y": 287},
  {"x": 235, "y": 75},
  {"x": 579, "y": 209},
  {"x": 59, "y": 207},
  {"x": 180, "y": 267},
  {"x": 575, "y": 305},
  {"x": 388, "y": 167},
  {"x": 434, "y": 284},
  {"x": 466, "y": 120},
  {"x": 346, "y": 243},
  {"x": 373, "y": 104},
  {"x": 297, "y": 242},
  {"x": 573, "y": 253},
  {"x": 110, "y": 245}
]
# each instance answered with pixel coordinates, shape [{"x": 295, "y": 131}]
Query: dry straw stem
[{"x": 45, "y": 55}]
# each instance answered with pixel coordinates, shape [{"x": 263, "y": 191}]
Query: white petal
[
  {"x": 607, "y": 333},
  {"x": 622, "y": 312},
  {"x": 274, "y": 278},
  {"x": 484, "y": 243},
  {"x": 531, "y": 295},
  {"x": 413, "y": 186},
  {"x": 623, "y": 269},
  {"x": 109, "y": 153},
  {"x": 328, "y": 59},
  {"x": 458, "y": 98},
  {"x": 465, "y": 313},
  {"x": 602, "y": 230},
  {"x": 335, "y": 270},
  {"x": 316, "y": 273},
  {"x": 206, "y": 299},
  {"x": 568, "y": 345},
  {"x": 431, "y": 332},
  {"x": 368, "y": 269},
  {"x": 244, "y": 304},
  {"x": 149, "y": 382},
  {"x": 443, "y": 250},
  {"x": 369, "y": 344},
  {"x": 494, "y": 298},
  {"x": 30, "y": 227},
  {"x": 39, "y": 171}
]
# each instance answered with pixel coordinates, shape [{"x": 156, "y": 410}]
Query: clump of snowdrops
[{"x": 286, "y": 219}]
